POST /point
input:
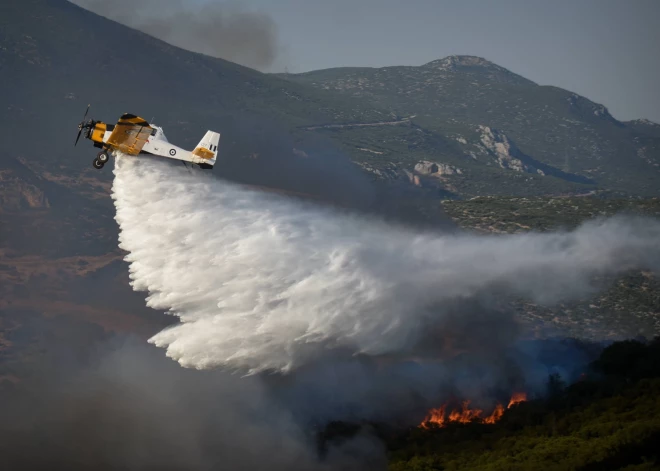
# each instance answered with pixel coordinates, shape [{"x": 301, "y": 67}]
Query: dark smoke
[
  {"x": 100, "y": 401},
  {"x": 216, "y": 29},
  {"x": 127, "y": 407}
]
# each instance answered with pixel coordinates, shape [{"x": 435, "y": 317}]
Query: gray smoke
[
  {"x": 125, "y": 406},
  {"x": 222, "y": 30}
]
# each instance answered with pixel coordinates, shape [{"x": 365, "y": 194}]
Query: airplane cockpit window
[{"x": 154, "y": 131}]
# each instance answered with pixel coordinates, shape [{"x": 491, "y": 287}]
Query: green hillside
[
  {"x": 624, "y": 307},
  {"x": 546, "y": 128}
]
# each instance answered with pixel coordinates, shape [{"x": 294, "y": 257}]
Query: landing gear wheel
[
  {"x": 97, "y": 164},
  {"x": 103, "y": 157}
]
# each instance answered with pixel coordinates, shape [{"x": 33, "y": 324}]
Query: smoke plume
[
  {"x": 125, "y": 406},
  {"x": 217, "y": 29},
  {"x": 264, "y": 283}
]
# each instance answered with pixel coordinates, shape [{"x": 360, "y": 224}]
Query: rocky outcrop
[
  {"x": 508, "y": 156},
  {"x": 505, "y": 152},
  {"x": 435, "y": 169},
  {"x": 582, "y": 105},
  {"x": 424, "y": 168},
  {"x": 644, "y": 122},
  {"x": 644, "y": 127}
]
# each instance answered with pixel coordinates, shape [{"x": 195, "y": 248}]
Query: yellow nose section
[{"x": 99, "y": 132}]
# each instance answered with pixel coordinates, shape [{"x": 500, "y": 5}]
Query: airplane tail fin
[{"x": 207, "y": 149}]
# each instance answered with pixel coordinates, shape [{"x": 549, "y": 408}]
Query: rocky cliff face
[
  {"x": 498, "y": 145},
  {"x": 436, "y": 169}
]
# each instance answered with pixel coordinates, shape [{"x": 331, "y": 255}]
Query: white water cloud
[{"x": 262, "y": 282}]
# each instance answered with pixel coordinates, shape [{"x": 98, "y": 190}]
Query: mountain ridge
[{"x": 457, "y": 96}]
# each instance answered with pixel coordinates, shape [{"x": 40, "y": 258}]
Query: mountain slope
[
  {"x": 504, "y": 133},
  {"x": 58, "y": 57},
  {"x": 487, "y": 110},
  {"x": 58, "y": 237}
]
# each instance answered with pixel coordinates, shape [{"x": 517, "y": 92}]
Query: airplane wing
[{"x": 130, "y": 134}]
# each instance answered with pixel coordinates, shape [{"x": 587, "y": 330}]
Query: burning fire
[
  {"x": 517, "y": 398},
  {"x": 439, "y": 418}
]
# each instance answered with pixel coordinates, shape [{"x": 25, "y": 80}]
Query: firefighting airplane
[{"x": 132, "y": 135}]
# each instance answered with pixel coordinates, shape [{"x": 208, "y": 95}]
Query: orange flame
[
  {"x": 466, "y": 415},
  {"x": 436, "y": 416},
  {"x": 496, "y": 415},
  {"x": 517, "y": 398},
  {"x": 439, "y": 418}
]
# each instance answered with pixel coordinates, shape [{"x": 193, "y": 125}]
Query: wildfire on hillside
[
  {"x": 517, "y": 398},
  {"x": 440, "y": 418}
]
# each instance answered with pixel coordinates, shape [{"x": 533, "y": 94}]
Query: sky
[{"x": 606, "y": 50}]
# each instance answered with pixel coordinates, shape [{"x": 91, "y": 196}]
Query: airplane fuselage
[{"x": 134, "y": 136}]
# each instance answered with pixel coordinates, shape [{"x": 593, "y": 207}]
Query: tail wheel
[
  {"x": 103, "y": 157},
  {"x": 98, "y": 165}
]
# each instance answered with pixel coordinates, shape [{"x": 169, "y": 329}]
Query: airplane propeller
[{"x": 82, "y": 126}]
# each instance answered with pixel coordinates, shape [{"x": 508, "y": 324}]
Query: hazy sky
[{"x": 606, "y": 50}]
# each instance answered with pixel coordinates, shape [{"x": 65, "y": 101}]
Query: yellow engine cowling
[{"x": 98, "y": 133}]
